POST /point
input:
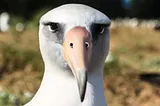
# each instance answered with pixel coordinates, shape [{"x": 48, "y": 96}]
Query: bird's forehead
[{"x": 75, "y": 14}]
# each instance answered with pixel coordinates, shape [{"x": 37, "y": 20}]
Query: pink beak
[{"x": 77, "y": 52}]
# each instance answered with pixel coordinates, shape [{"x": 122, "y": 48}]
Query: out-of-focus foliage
[
  {"x": 8, "y": 99},
  {"x": 20, "y": 49},
  {"x": 13, "y": 58}
]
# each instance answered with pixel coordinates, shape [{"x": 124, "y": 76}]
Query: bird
[{"x": 74, "y": 43}]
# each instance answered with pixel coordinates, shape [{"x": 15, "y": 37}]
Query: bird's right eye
[{"x": 53, "y": 27}]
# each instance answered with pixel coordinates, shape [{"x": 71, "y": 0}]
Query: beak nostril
[{"x": 71, "y": 45}]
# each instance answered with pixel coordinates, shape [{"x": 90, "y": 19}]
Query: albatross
[{"x": 74, "y": 43}]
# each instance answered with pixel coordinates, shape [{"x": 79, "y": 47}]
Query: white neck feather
[{"x": 62, "y": 90}]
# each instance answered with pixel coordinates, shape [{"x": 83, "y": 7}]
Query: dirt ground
[{"x": 130, "y": 91}]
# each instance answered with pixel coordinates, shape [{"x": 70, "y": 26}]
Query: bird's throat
[{"x": 57, "y": 88}]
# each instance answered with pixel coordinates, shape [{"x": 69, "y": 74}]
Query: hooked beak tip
[{"x": 82, "y": 83}]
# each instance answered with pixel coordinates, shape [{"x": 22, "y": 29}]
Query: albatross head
[{"x": 74, "y": 38}]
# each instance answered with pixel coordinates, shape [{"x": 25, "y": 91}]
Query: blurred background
[{"x": 132, "y": 68}]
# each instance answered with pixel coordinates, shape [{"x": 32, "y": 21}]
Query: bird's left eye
[
  {"x": 98, "y": 28},
  {"x": 102, "y": 29}
]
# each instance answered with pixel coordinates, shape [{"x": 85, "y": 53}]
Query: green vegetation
[
  {"x": 8, "y": 99},
  {"x": 16, "y": 58}
]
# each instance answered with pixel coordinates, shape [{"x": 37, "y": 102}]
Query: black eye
[
  {"x": 53, "y": 27},
  {"x": 98, "y": 28}
]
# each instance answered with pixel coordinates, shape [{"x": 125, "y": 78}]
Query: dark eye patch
[
  {"x": 54, "y": 31},
  {"x": 98, "y": 29}
]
